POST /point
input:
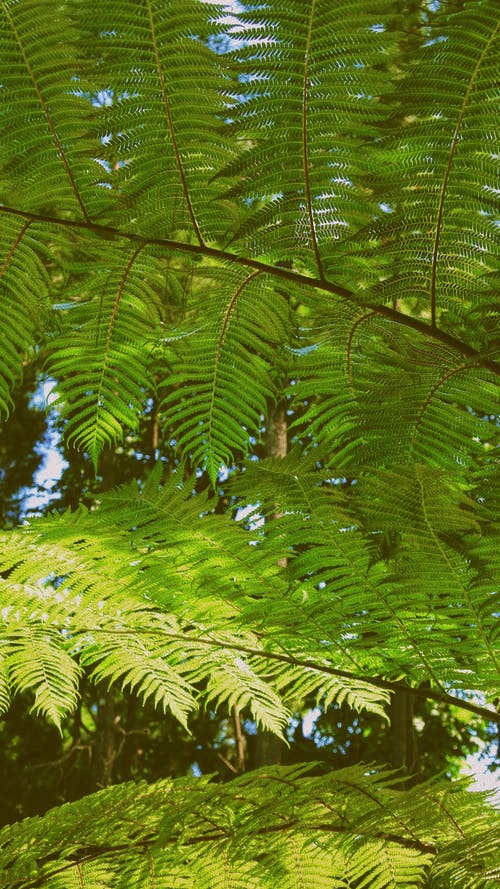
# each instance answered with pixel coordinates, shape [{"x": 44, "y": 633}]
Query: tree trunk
[
  {"x": 404, "y": 751},
  {"x": 269, "y": 748},
  {"x": 105, "y": 746}
]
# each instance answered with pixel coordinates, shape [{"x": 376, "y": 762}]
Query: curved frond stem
[
  {"x": 350, "y": 338},
  {"x": 168, "y": 113},
  {"x": 46, "y": 112},
  {"x": 405, "y": 631},
  {"x": 305, "y": 146},
  {"x": 14, "y": 247},
  {"x": 118, "y": 297},
  {"x": 447, "y": 812},
  {"x": 376, "y": 681},
  {"x": 276, "y": 271},
  {"x": 365, "y": 791},
  {"x": 444, "y": 186},
  {"x": 440, "y": 382}
]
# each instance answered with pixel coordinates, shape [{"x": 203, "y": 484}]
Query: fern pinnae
[
  {"x": 12, "y": 360},
  {"x": 461, "y": 586},
  {"x": 15, "y": 244},
  {"x": 350, "y": 340},
  {"x": 24, "y": 307},
  {"x": 232, "y": 304},
  {"x": 448, "y": 815},
  {"x": 448, "y": 167},
  {"x": 105, "y": 394},
  {"x": 46, "y": 111},
  {"x": 284, "y": 136},
  {"x": 463, "y": 368},
  {"x": 168, "y": 115},
  {"x": 305, "y": 146},
  {"x": 283, "y": 657},
  {"x": 5, "y": 692},
  {"x": 411, "y": 322}
]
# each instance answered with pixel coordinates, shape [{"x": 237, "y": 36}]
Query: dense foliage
[{"x": 266, "y": 235}]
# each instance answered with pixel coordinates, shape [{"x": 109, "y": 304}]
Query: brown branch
[
  {"x": 107, "y": 231},
  {"x": 240, "y": 741},
  {"x": 440, "y": 697},
  {"x": 93, "y": 852}
]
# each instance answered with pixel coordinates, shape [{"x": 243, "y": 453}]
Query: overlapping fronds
[
  {"x": 138, "y": 119},
  {"x": 291, "y": 201},
  {"x": 150, "y": 596},
  {"x": 161, "y": 92},
  {"x": 49, "y": 151},
  {"x": 379, "y": 396},
  {"x": 439, "y": 239},
  {"x": 174, "y": 604},
  {"x": 309, "y": 96},
  {"x": 281, "y": 826},
  {"x": 108, "y": 332},
  {"x": 23, "y": 300},
  {"x": 398, "y": 574}
]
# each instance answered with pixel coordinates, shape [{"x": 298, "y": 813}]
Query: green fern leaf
[
  {"x": 36, "y": 661},
  {"x": 108, "y": 342},
  {"x": 23, "y": 289},
  {"x": 227, "y": 368}
]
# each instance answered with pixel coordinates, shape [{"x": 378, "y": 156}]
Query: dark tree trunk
[
  {"x": 269, "y": 749},
  {"x": 105, "y": 746},
  {"x": 404, "y": 751}
]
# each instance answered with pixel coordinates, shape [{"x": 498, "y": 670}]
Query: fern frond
[
  {"x": 424, "y": 601},
  {"x": 304, "y": 213},
  {"x": 377, "y": 397},
  {"x": 102, "y": 359},
  {"x": 105, "y": 615},
  {"x": 227, "y": 368},
  {"x": 4, "y": 686},
  {"x": 312, "y": 79},
  {"x": 161, "y": 90},
  {"x": 137, "y": 666},
  {"x": 36, "y": 661},
  {"x": 49, "y": 151},
  {"x": 281, "y": 824},
  {"x": 440, "y": 237},
  {"x": 163, "y": 599},
  {"x": 145, "y": 552},
  {"x": 23, "y": 302}
]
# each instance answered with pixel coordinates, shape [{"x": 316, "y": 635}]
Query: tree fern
[
  {"x": 304, "y": 213},
  {"x": 110, "y": 573}
]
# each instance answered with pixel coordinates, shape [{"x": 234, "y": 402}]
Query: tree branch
[
  {"x": 108, "y": 231},
  {"x": 440, "y": 697}
]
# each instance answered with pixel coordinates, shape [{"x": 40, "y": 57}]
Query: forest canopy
[{"x": 252, "y": 250}]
